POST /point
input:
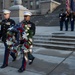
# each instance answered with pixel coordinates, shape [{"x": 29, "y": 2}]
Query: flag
[
  {"x": 68, "y": 5},
  {"x": 72, "y": 5}
]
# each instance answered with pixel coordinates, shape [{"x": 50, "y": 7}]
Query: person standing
[
  {"x": 5, "y": 24},
  {"x": 72, "y": 18},
  {"x": 66, "y": 20},
  {"x": 30, "y": 26},
  {"x": 61, "y": 19}
]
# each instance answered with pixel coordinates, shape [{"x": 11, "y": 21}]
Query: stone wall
[
  {"x": 44, "y": 7},
  {"x": 50, "y": 6},
  {"x": 53, "y": 5}
]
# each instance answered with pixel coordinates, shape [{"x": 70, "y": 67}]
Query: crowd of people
[{"x": 66, "y": 18}]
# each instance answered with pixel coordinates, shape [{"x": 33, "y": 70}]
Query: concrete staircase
[
  {"x": 49, "y": 19},
  {"x": 55, "y": 42}
]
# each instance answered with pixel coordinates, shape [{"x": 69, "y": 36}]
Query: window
[
  {"x": 37, "y": 4},
  {"x": 12, "y": 2},
  {"x": 31, "y": 4},
  {"x": 1, "y": 5},
  {"x": 25, "y": 3}
]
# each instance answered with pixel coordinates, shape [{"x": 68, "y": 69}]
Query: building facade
[
  {"x": 30, "y": 4},
  {"x": 36, "y": 6}
]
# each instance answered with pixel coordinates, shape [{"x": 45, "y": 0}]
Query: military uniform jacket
[
  {"x": 61, "y": 16},
  {"x": 67, "y": 17},
  {"x": 72, "y": 17},
  {"x": 33, "y": 28},
  {"x": 4, "y": 27}
]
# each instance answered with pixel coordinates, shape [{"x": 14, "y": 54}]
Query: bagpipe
[{"x": 19, "y": 38}]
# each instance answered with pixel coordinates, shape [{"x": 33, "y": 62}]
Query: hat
[
  {"x": 6, "y": 11},
  {"x": 27, "y": 13}
]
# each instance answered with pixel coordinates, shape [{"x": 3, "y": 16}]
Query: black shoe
[
  {"x": 61, "y": 30},
  {"x": 72, "y": 30},
  {"x": 21, "y": 70},
  {"x": 3, "y": 66},
  {"x": 31, "y": 61},
  {"x": 14, "y": 59},
  {"x": 66, "y": 30}
]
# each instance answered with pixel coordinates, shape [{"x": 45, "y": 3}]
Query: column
[
  {"x": 17, "y": 11},
  {"x": 34, "y": 4},
  {"x": 6, "y": 4},
  {"x": 28, "y": 4}
]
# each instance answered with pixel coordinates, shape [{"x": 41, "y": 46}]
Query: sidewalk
[
  {"x": 47, "y": 61},
  {"x": 40, "y": 30}
]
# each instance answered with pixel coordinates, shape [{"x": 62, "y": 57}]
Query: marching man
[
  {"x": 26, "y": 40},
  {"x": 5, "y": 24}
]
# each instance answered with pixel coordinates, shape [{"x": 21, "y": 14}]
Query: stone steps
[
  {"x": 59, "y": 42},
  {"x": 63, "y": 39},
  {"x": 62, "y": 36},
  {"x": 49, "y": 19},
  {"x": 56, "y": 36},
  {"x": 55, "y": 39},
  {"x": 53, "y": 46},
  {"x": 54, "y": 42}
]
